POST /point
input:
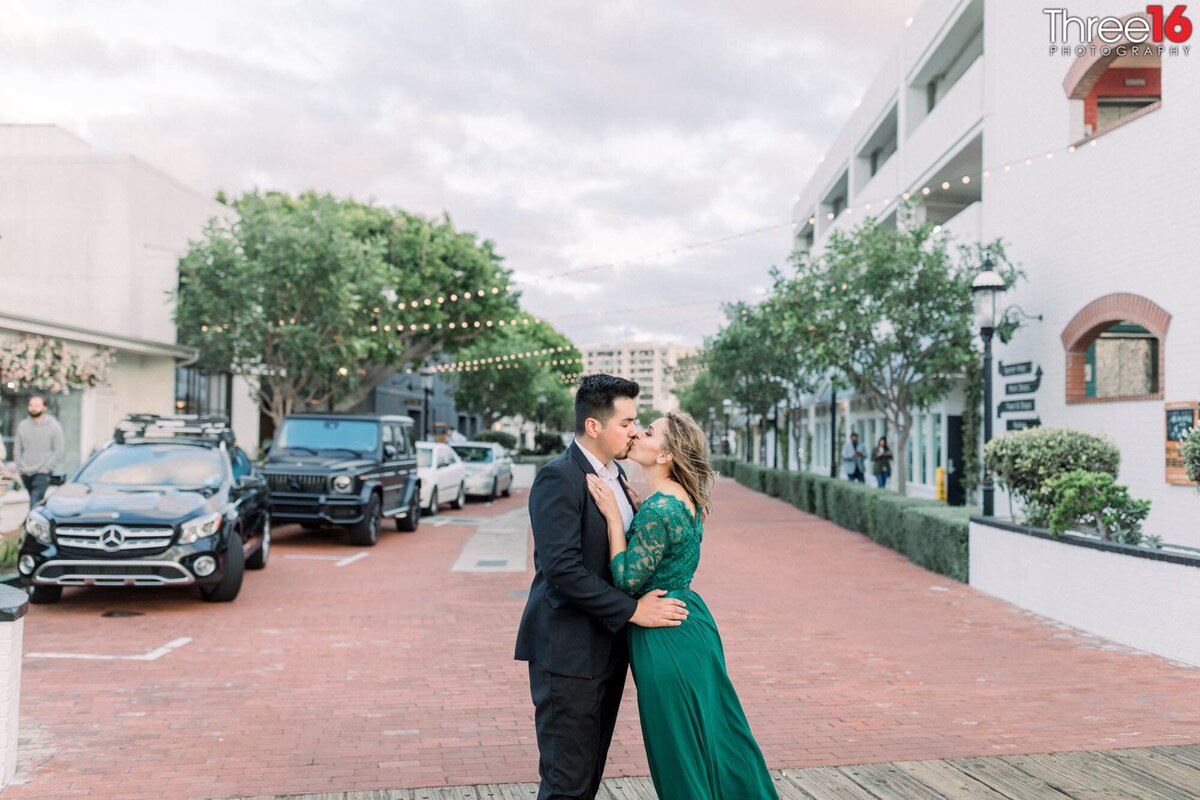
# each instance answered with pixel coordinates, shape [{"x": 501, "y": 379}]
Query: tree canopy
[{"x": 321, "y": 298}]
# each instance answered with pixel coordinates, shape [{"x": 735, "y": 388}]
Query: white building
[
  {"x": 1083, "y": 162},
  {"x": 648, "y": 363},
  {"x": 89, "y": 250}
]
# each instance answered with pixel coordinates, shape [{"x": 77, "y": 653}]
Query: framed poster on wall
[{"x": 1180, "y": 419}]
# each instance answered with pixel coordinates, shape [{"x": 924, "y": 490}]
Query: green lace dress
[{"x": 697, "y": 739}]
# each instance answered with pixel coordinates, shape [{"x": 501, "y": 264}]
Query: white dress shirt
[{"x": 612, "y": 477}]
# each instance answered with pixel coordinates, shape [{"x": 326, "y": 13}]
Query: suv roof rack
[{"x": 157, "y": 427}]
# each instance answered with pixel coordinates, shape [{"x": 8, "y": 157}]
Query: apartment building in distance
[
  {"x": 648, "y": 363},
  {"x": 999, "y": 121}
]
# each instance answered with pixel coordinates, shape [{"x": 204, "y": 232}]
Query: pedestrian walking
[
  {"x": 854, "y": 460},
  {"x": 881, "y": 462},
  {"x": 38, "y": 449}
]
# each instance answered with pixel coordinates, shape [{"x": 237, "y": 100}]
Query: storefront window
[{"x": 200, "y": 392}]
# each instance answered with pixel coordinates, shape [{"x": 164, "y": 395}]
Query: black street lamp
[
  {"x": 772, "y": 417},
  {"x": 712, "y": 429},
  {"x": 987, "y": 288},
  {"x": 427, "y": 374},
  {"x": 727, "y": 406}
]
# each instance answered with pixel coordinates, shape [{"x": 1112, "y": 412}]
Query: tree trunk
[{"x": 900, "y": 456}]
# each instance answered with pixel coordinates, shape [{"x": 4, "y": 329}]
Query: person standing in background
[
  {"x": 38, "y": 449},
  {"x": 854, "y": 460},
  {"x": 881, "y": 462}
]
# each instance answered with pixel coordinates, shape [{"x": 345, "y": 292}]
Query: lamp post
[
  {"x": 427, "y": 374},
  {"x": 712, "y": 429},
  {"x": 772, "y": 416},
  {"x": 727, "y": 406},
  {"x": 986, "y": 289}
]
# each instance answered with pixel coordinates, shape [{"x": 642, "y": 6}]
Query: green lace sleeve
[{"x": 648, "y": 539}]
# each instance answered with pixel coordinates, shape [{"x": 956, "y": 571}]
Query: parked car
[
  {"x": 443, "y": 477},
  {"x": 170, "y": 501},
  {"x": 345, "y": 470},
  {"x": 489, "y": 469}
]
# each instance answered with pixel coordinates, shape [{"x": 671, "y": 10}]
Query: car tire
[
  {"x": 508, "y": 487},
  {"x": 495, "y": 492},
  {"x": 461, "y": 499},
  {"x": 366, "y": 532},
  {"x": 41, "y": 595},
  {"x": 433, "y": 503},
  {"x": 259, "y": 559},
  {"x": 411, "y": 520},
  {"x": 231, "y": 580}
]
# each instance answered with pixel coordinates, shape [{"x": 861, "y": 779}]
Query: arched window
[
  {"x": 1113, "y": 84},
  {"x": 1114, "y": 348}
]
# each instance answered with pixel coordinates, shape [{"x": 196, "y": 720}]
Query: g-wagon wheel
[
  {"x": 45, "y": 594},
  {"x": 508, "y": 487},
  {"x": 461, "y": 499},
  {"x": 433, "y": 503},
  {"x": 259, "y": 559},
  {"x": 366, "y": 532},
  {"x": 412, "y": 519},
  {"x": 231, "y": 581}
]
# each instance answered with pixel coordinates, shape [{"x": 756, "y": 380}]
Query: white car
[
  {"x": 443, "y": 477},
  {"x": 489, "y": 469}
]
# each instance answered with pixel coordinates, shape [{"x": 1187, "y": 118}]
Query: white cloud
[{"x": 571, "y": 134}]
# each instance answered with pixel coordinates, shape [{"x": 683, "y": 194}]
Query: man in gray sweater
[{"x": 38, "y": 449}]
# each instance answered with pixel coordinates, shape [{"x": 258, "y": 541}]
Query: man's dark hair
[{"x": 595, "y": 397}]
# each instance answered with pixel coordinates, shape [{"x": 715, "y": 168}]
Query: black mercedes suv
[
  {"x": 345, "y": 470},
  {"x": 170, "y": 501}
]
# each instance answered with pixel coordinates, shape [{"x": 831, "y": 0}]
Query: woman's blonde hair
[{"x": 690, "y": 466}]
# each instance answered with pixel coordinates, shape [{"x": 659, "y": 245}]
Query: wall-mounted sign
[
  {"x": 1019, "y": 368},
  {"x": 1014, "y": 406},
  {"x": 1181, "y": 418},
  {"x": 1025, "y": 387},
  {"x": 1024, "y": 424}
]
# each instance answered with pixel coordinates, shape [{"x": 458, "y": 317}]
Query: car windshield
[
  {"x": 475, "y": 455},
  {"x": 424, "y": 457},
  {"x": 350, "y": 435},
  {"x": 156, "y": 465}
]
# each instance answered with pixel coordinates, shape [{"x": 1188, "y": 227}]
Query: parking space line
[
  {"x": 153, "y": 655},
  {"x": 352, "y": 559},
  {"x": 307, "y": 557}
]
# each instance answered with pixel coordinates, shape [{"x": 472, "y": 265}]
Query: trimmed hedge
[{"x": 929, "y": 533}]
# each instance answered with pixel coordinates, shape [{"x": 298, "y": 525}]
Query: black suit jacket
[{"x": 574, "y": 613}]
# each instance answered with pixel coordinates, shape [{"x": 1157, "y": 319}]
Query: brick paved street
[{"x": 393, "y": 671}]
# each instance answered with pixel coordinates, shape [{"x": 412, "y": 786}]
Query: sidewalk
[{"x": 396, "y": 672}]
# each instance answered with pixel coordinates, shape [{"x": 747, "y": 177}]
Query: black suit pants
[{"x": 575, "y": 718}]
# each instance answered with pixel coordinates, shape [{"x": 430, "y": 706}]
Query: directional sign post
[
  {"x": 1019, "y": 368},
  {"x": 1025, "y": 387},
  {"x": 1024, "y": 424},
  {"x": 1014, "y": 406}
]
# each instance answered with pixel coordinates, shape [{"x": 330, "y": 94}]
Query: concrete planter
[{"x": 1140, "y": 597}]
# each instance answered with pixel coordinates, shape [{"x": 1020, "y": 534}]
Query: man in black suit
[{"x": 572, "y": 630}]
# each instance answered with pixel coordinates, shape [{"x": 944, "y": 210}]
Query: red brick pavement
[{"x": 395, "y": 672}]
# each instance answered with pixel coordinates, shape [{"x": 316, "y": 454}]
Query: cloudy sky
[{"x": 604, "y": 134}]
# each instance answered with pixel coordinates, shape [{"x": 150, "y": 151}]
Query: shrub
[
  {"x": 848, "y": 502},
  {"x": 820, "y": 495},
  {"x": 1096, "y": 500},
  {"x": 1189, "y": 449},
  {"x": 547, "y": 443},
  {"x": 502, "y": 438},
  {"x": 10, "y": 549},
  {"x": 1023, "y": 461}
]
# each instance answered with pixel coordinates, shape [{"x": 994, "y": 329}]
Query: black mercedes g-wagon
[{"x": 345, "y": 470}]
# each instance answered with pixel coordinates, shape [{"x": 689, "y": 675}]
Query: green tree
[
  {"x": 320, "y": 299},
  {"x": 518, "y": 372},
  {"x": 890, "y": 310},
  {"x": 746, "y": 358}
]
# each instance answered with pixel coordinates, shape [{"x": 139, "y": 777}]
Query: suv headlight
[
  {"x": 343, "y": 484},
  {"x": 200, "y": 528},
  {"x": 38, "y": 527}
]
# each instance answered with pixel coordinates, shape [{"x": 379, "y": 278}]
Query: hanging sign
[
  {"x": 1018, "y": 368},
  {"x": 1024, "y": 424},
  {"x": 1180, "y": 418},
  {"x": 1013, "y": 406},
  {"x": 1025, "y": 387}
]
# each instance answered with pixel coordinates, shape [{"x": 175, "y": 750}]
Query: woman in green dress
[{"x": 697, "y": 739}]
